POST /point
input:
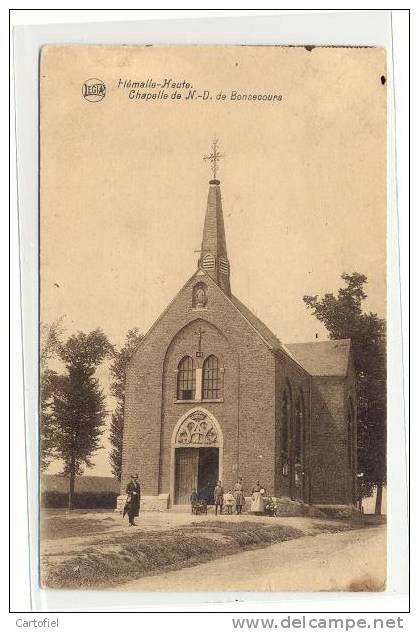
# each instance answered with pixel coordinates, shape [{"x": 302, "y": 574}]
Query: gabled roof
[
  {"x": 263, "y": 330},
  {"x": 323, "y": 358},
  {"x": 270, "y": 339},
  {"x": 328, "y": 357}
]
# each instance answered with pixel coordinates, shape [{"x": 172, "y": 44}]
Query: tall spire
[{"x": 213, "y": 258}]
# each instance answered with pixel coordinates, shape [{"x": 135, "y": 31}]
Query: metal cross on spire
[{"x": 214, "y": 157}]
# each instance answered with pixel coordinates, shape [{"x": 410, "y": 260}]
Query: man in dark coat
[
  {"x": 132, "y": 506},
  {"x": 218, "y": 497}
]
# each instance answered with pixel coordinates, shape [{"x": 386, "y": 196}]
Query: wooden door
[{"x": 186, "y": 474}]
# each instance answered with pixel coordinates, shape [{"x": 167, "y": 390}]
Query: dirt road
[{"x": 351, "y": 560}]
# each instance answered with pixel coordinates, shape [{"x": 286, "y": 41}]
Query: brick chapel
[{"x": 212, "y": 394}]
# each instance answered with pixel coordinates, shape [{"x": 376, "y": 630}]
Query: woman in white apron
[{"x": 257, "y": 499}]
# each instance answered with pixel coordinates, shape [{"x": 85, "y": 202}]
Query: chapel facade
[{"x": 212, "y": 394}]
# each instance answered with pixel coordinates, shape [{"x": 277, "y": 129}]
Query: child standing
[
  {"x": 228, "y": 502},
  {"x": 239, "y": 496}
]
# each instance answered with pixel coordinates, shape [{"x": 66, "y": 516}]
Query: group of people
[
  {"x": 223, "y": 500},
  {"x": 227, "y": 500},
  {"x": 230, "y": 498}
]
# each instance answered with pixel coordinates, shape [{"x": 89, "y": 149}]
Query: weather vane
[{"x": 214, "y": 158}]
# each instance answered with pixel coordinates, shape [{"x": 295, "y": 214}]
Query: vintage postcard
[{"x": 213, "y": 318}]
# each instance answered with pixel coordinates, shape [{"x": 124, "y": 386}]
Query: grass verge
[{"x": 130, "y": 556}]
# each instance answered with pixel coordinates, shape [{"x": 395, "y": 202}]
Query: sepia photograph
[{"x": 213, "y": 291}]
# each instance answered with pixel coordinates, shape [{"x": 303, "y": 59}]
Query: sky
[{"x": 124, "y": 186}]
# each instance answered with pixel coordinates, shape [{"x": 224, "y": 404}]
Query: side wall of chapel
[
  {"x": 351, "y": 419},
  {"x": 332, "y": 476},
  {"x": 291, "y": 379}
]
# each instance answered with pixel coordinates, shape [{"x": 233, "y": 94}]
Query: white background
[{"x": 20, "y": 573}]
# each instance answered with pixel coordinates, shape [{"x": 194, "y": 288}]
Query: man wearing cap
[{"x": 132, "y": 506}]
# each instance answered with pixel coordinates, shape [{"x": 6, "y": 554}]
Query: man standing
[
  {"x": 132, "y": 506},
  {"x": 218, "y": 498}
]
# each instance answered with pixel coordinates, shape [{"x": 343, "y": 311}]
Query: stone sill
[
  {"x": 147, "y": 503},
  {"x": 198, "y": 401}
]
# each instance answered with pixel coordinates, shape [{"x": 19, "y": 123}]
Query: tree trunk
[
  {"x": 72, "y": 484},
  {"x": 378, "y": 500}
]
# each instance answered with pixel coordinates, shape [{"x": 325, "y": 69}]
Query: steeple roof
[{"x": 214, "y": 258}]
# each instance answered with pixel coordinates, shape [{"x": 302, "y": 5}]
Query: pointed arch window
[
  {"x": 211, "y": 383},
  {"x": 285, "y": 426},
  {"x": 350, "y": 437},
  {"x": 186, "y": 379},
  {"x": 299, "y": 440},
  {"x": 351, "y": 449}
]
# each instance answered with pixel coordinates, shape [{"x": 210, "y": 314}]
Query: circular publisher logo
[{"x": 93, "y": 90}]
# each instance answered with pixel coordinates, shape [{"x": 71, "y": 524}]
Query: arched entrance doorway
[{"x": 196, "y": 456}]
